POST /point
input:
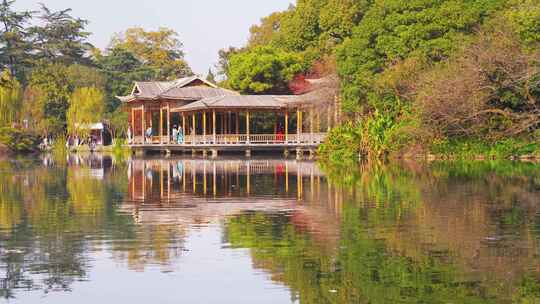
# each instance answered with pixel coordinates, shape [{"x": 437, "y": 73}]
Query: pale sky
[{"x": 204, "y": 26}]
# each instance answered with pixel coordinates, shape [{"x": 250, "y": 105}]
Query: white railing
[{"x": 238, "y": 139}]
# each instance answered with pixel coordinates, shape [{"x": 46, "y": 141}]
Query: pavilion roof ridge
[{"x": 154, "y": 90}]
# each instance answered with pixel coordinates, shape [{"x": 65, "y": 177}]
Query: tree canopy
[
  {"x": 87, "y": 107},
  {"x": 160, "y": 50},
  {"x": 263, "y": 70}
]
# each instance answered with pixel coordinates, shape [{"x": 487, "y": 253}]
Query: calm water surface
[{"x": 92, "y": 229}]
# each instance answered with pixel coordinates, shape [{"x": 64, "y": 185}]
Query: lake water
[{"x": 92, "y": 229}]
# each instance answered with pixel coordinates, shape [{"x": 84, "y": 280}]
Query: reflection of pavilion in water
[
  {"x": 99, "y": 164},
  {"x": 199, "y": 190}
]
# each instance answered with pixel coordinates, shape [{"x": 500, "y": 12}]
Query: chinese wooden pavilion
[{"x": 214, "y": 119}]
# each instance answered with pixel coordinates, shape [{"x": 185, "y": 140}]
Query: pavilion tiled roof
[
  {"x": 176, "y": 89},
  {"x": 266, "y": 102}
]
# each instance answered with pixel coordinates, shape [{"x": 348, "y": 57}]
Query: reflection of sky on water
[
  {"x": 267, "y": 231},
  {"x": 206, "y": 273}
]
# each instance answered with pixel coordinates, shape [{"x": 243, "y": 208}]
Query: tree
[
  {"x": 269, "y": 28},
  {"x": 394, "y": 30},
  {"x": 160, "y": 50},
  {"x": 14, "y": 39},
  {"x": 60, "y": 38},
  {"x": 33, "y": 107},
  {"x": 210, "y": 76},
  {"x": 82, "y": 76},
  {"x": 263, "y": 70},
  {"x": 86, "y": 107},
  {"x": 118, "y": 122},
  {"x": 224, "y": 60},
  {"x": 10, "y": 99},
  {"x": 525, "y": 18},
  {"x": 120, "y": 68},
  {"x": 490, "y": 90},
  {"x": 53, "y": 83}
]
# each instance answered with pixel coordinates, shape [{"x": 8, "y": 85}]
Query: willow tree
[
  {"x": 10, "y": 99},
  {"x": 86, "y": 107}
]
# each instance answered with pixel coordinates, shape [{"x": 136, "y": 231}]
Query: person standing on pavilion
[
  {"x": 129, "y": 135},
  {"x": 149, "y": 134},
  {"x": 180, "y": 136},
  {"x": 174, "y": 133}
]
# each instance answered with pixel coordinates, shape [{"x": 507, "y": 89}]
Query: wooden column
[
  {"x": 237, "y": 122},
  {"x": 286, "y": 126},
  {"x": 160, "y": 129},
  {"x": 184, "y": 126},
  {"x": 168, "y": 123},
  {"x": 214, "y": 126},
  {"x": 143, "y": 124},
  {"x": 194, "y": 125},
  {"x": 132, "y": 126},
  {"x": 247, "y": 126},
  {"x": 204, "y": 127}
]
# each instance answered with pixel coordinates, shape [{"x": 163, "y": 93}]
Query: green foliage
[
  {"x": 14, "y": 39},
  {"x": 60, "y": 37},
  {"x": 470, "y": 149},
  {"x": 19, "y": 141},
  {"x": 52, "y": 81},
  {"x": 86, "y": 107},
  {"x": 394, "y": 30},
  {"x": 342, "y": 144},
  {"x": 160, "y": 50},
  {"x": 118, "y": 123},
  {"x": 525, "y": 17},
  {"x": 81, "y": 76},
  {"x": 263, "y": 70},
  {"x": 377, "y": 136},
  {"x": 210, "y": 76},
  {"x": 120, "y": 68},
  {"x": 10, "y": 99}
]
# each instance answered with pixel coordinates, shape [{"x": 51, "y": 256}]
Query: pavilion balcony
[{"x": 235, "y": 139}]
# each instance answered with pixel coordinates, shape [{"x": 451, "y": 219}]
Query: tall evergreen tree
[
  {"x": 15, "y": 47},
  {"x": 210, "y": 76},
  {"x": 61, "y": 38}
]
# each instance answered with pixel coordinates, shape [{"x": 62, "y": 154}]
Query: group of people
[{"x": 177, "y": 135}]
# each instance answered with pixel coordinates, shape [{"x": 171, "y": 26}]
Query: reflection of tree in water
[
  {"x": 457, "y": 233},
  {"x": 46, "y": 212}
]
